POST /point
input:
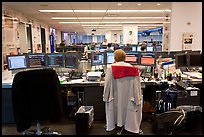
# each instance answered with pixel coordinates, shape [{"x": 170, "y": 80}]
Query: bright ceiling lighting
[
  {"x": 103, "y": 25},
  {"x": 158, "y": 4},
  {"x": 73, "y": 18},
  {"x": 112, "y": 22},
  {"x": 119, "y": 4},
  {"x": 105, "y": 10},
  {"x": 138, "y": 4}
]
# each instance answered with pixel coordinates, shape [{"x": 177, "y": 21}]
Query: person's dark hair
[
  {"x": 109, "y": 45},
  {"x": 143, "y": 48}
]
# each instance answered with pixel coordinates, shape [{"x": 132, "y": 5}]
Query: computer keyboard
[{"x": 182, "y": 84}]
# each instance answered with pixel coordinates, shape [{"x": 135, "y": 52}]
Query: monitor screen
[
  {"x": 127, "y": 48},
  {"x": 132, "y": 58},
  {"x": 109, "y": 57},
  {"x": 134, "y": 48},
  {"x": 71, "y": 60},
  {"x": 138, "y": 48},
  {"x": 194, "y": 59},
  {"x": 16, "y": 62},
  {"x": 158, "y": 48},
  {"x": 150, "y": 48},
  {"x": 55, "y": 60},
  {"x": 148, "y": 59},
  {"x": 97, "y": 58},
  {"x": 181, "y": 60},
  {"x": 36, "y": 60}
]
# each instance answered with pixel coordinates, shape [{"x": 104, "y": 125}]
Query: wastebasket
[{"x": 84, "y": 118}]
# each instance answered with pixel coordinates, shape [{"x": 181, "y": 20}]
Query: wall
[
  {"x": 182, "y": 13},
  {"x": 127, "y": 38},
  {"x": 115, "y": 36}
]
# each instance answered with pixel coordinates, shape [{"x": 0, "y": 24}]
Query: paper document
[{"x": 194, "y": 74}]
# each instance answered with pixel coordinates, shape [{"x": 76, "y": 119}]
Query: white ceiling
[{"x": 32, "y": 9}]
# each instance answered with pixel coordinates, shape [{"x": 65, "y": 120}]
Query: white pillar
[
  {"x": 186, "y": 17},
  {"x": 130, "y": 33}
]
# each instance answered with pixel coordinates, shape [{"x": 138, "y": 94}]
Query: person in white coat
[{"x": 122, "y": 95}]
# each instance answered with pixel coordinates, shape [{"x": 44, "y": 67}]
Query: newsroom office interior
[{"x": 185, "y": 19}]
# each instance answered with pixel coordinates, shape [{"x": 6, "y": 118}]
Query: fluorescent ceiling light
[
  {"x": 112, "y": 22},
  {"x": 73, "y": 18},
  {"x": 101, "y": 25},
  {"x": 56, "y": 10},
  {"x": 105, "y": 10},
  {"x": 55, "y": 18}
]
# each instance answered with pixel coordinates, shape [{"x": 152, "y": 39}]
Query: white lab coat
[{"x": 123, "y": 101}]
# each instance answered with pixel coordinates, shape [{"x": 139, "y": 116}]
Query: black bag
[{"x": 165, "y": 123}]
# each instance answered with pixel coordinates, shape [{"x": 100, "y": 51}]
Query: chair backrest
[{"x": 36, "y": 97}]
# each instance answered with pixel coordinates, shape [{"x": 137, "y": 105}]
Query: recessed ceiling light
[
  {"x": 119, "y": 4},
  {"x": 139, "y": 4},
  {"x": 158, "y": 4}
]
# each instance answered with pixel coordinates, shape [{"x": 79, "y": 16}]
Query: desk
[{"x": 88, "y": 93}]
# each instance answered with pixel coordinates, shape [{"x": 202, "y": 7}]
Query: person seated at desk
[
  {"x": 63, "y": 43},
  {"x": 109, "y": 47},
  {"x": 143, "y": 48},
  {"x": 122, "y": 95}
]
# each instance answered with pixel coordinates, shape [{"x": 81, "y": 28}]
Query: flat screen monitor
[
  {"x": 16, "y": 62},
  {"x": 132, "y": 58},
  {"x": 109, "y": 57},
  {"x": 71, "y": 60},
  {"x": 181, "y": 60},
  {"x": 55, "y": 60},
  {"x": 139, "y": 48},
  {"x": 148, "y": 59},
  {"x": 127, "y": 48},
  {"x": 37, "y": 60},
  {"x": 194, "y": 59},
  {"x": 158, "y": 48},
  {"x": 134, "y": 48},
  {"x": 97, "y": 58},
  {"x": 150, "y": 48}
]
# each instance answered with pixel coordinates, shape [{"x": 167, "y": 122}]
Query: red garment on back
[{"x": 124, "y": 71}]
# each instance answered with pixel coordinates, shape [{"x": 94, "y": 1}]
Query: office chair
[{"x": 36, "y": 98}]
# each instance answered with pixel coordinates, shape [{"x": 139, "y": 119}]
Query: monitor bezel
[
  {"x": 176, "y": 60},
  {"x": 47, "y": 60},
  {"x": 44, "y": 54},
  {"x": 65, "y": 60},
  {"x": 94, "y": 53},
  {"x": 134, "y": 53},
  {"x": 26, "y": 63},
  {"x": 189, "y": 61},
  {"x": 106, "y": 57},
  {"x": 155, "y": 57}
]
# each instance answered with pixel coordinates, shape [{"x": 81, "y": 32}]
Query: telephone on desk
[{"x": 75, "y": 75}]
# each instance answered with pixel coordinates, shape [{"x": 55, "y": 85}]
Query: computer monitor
[
  {"x": 139, "y": 48},
  {"x": 181, "y": 60},
  {"x": 16, "y": 62},
  {"x": 55, "y": 60},
  {"x": 194, "y": 59},
  {"x": 127, "y": 48},
  {"x": 97, "y": 58},
  {"x": 71, "y": 60},
  {"x": 158, "y": 48},
  {"x": 134, "y": 47},
  {"x": 148, "y": 58},
  {"x": 109, "y": 57},
  {"x": 149, "y": 48},
  {"x": 132, "y": 58},
  {"x": 36, "y": 60}
]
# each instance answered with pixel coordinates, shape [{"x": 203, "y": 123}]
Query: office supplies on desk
[{"x": 94, "y": 76}]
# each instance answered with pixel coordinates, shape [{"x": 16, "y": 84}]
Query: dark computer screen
[
  {"x": 16, "y": 62},
  {"x": 148, "y": 59},
  {"x": 132, "y": 58},
  {"x": 55, "y": 60},
  {"x": 109, "y": 57},
  {"x": 194, "y": 59},
  {"x": 158, "y": 48},
  {"x": 71, "y": 60},
  {"x": 181, "y": 60},
  {"x": 97, "y": 58},
  {"x": 149, "y": 48},
  {"x": 36, "y": 60}
]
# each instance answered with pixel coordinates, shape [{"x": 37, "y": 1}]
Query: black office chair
[{"x": 36, "y": 98}]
